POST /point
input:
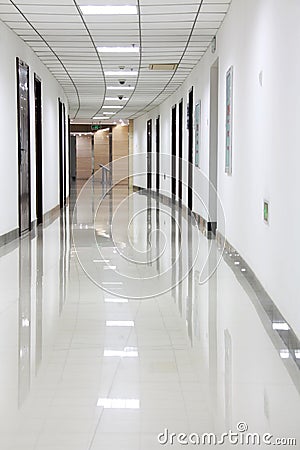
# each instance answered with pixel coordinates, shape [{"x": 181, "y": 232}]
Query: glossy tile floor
[{"x": 84, "y": 367}]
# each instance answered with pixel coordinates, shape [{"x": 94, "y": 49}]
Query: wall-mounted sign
[
  {"x": 229, "y": 105},
  {"x": 96, "y": 127},
  {"x": 197, "y": 132},
  {"x": 266, "y": 211}
]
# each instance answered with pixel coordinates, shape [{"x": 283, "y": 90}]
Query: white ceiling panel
[{"x": 166, "y": 31}]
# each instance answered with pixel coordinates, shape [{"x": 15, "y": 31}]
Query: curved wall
[{"x": 258, "y": 38}]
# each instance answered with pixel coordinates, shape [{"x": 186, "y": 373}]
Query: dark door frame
[
  {"x": 180, "y": 146},
  {"x": 38, "y": 148},
  {"x": 173, "y": 150},
  {"x": 62, "y": 154},
  {"x": 157, "y": 153},
  {"x": 20, "y": 63},
  {"x": 190, "y": 149},
  {"x": 149, "y": 154}
]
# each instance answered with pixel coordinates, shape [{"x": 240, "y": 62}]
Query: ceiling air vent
[{"x": 168, "y": 67}]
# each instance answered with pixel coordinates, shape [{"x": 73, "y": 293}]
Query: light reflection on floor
[{"x": 195, "y": 359}]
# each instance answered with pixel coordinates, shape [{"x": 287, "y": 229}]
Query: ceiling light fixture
[
  {"x": 112, "y": 99},
  {"x": 126, "y": 73},
  {"x": 98, "y": 118},
  {"x": 113, "y": 106},
  {"x": 129, "y": 88},
  {"x": 110, "y": 113},
  {"x": 132, "y": 49},
  {"x": 108, "y": 9}
]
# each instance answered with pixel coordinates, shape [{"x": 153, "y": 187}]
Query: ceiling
[{"x": 66, "y": 40}]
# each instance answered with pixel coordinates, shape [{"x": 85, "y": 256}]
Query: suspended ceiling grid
[{"x": 170, "y": 31}]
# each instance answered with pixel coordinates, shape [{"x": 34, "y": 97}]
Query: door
[
  {"x": 62, "y": 154},
  {"x": 149, "y": 155},
  {"x": 173, "y": 143},
  {"x": 157, "y": 153},
  {"x": 190, "y": 149},
  {"x": 23, "y": 146},
  {"x": 180, "y": 137},
  {"x": 38, "y": 148}
]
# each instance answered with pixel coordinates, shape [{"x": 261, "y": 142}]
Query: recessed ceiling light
[
  {"x": 109, "y": 9},
  {"x": 98, "y": 118},
  {"x": 116, "y": 88},
  {"x": 116, "y": 99},
  {"x": 109, "y": 113},
  {"x": 117, "y": 73},
  {"x": 113, "y": 106},
  {"x": 131, "y": 49},
  {"x": 297, "y": 354}
]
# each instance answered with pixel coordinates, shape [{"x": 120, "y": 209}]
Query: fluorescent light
[
  {"x": 116, "y": 300},
  {"x": 109, "y": 113},
  {"x": 280, "y": 326},
  {"x": 113, "y": 106},
  {"x": 128, "y": 352},
  {"x": 112, "y": 282},
  {"x": 116, "y": 99},
  {"x": 117, "y": 88},
  {"x": 101, "y": 260},
  {"x": 132, "y": 49},
  {"x": 297, "y": 354},
  {"x": 108, "y": 9},
  {"x": 119, "y": 403},
  {"x": 125, "y": 73},
  {"x": 99, "y": 118},
  {"x": 109, "y": 267},
  {"x": 120, "y": 323}
]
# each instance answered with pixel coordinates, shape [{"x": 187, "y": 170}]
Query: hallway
[{"x": 86, "y": 368}]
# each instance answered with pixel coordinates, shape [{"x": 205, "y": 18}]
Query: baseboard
[
  {"x": 7, "y": 238},
  {"x": 263, "y": 303},
  {"x": 51, "y": 215}
]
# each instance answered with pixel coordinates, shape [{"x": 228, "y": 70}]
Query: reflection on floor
[{"x": 84, "y": 367}]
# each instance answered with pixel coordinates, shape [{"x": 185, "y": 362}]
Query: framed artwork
[
  {"x": 229, "y": 106},
  {"x": 197, "y": 131}
]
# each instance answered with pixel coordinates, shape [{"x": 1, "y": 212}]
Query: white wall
[
  {"x": 256, "y": 36},
  {"x": 10, "y": 48}
]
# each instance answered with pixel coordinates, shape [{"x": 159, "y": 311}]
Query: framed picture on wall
[
  {"x": 197, "y": 132},
  {"x": 229, "y": 117}
]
